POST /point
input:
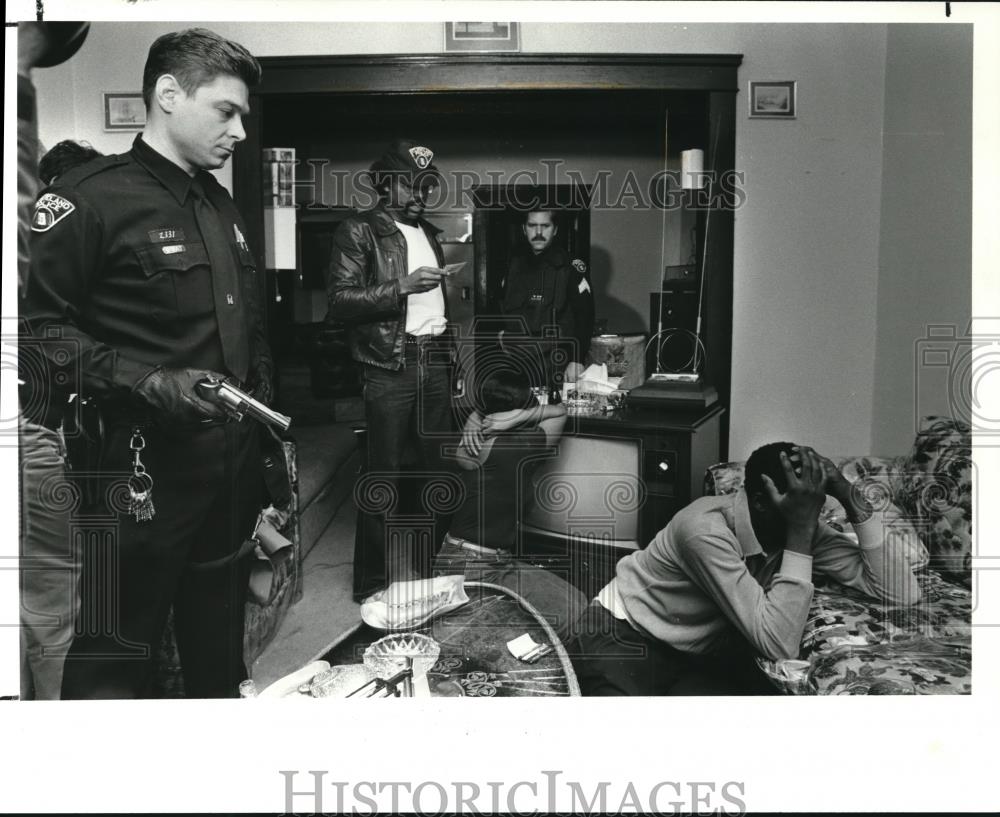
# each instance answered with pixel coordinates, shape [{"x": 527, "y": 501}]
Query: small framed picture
[
  {"x": 772, "y": 100},
  {"x": 124, "y": 112},
  {"x": 482, "y": 37}
]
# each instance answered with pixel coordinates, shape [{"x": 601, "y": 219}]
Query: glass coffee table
[{"x": 474, "y": 659}]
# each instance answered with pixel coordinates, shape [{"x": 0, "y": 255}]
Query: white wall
[
  {"x": 807, "y": 241},
  {"x": 925, "y": 257}
]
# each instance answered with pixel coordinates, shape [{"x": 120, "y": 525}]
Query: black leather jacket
[{"x": 362, "y": 285}]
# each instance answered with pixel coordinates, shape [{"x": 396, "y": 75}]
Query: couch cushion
[
  {"x": 919, "y": 668},
  {"x": 723, "y": 478},
  {"x": 880, "y": 480},
  {"x": 937, "y": 493},
  {"x": 851, "y": 642}
]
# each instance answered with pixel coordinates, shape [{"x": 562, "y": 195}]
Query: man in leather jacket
[{"x": 385, "y": 282}]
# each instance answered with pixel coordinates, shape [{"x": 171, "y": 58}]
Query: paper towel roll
[{"x": 692, "y": 167}]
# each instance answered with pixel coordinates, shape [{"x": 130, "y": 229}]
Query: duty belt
[{"x": 130, "y": 414}]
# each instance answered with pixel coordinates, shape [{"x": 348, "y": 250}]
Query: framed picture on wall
[
  {"x": 124, "y": 112},
  {"x": 482, "y": 37},
  {"x": 772, "y": 100}
]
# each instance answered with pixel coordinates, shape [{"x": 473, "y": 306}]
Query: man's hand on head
[
  {"x": 803, "y": 500},
  {"x": 840, "y": 488}
]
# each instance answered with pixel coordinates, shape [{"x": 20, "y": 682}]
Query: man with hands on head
[{"x": 730, "y": 578}]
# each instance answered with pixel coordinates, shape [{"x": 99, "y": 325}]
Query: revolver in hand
[{"x": 237, "y": 402}]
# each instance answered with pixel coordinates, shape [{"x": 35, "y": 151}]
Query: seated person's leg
[
  {"x": 612, "y": 659},
  {"x": 708, "y": 680},
  {"x": 450, "y": 560},
  {"x": 555, "y": 599},
  {"x": 733, "y": 672}
]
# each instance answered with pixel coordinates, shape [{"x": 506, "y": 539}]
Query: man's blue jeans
[
  {"x": 411, "y": 405},
  {"x": 49, "y": 570}
]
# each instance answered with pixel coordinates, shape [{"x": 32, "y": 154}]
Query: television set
[{"x": 585, "y": 513}]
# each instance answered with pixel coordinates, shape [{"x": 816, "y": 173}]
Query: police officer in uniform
[
  {"x": 141, "y": 268},
  {"x": 547, "y": 288}
]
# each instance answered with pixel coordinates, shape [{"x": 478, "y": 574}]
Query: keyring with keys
[{"x": 140, "y": 484}]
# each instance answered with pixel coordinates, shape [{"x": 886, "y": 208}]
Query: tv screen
[{"x": 591, "y": 490}]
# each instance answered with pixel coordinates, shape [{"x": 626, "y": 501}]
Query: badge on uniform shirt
[
  {"x": 50, "y": 209},
  {"x": 163, "y": 234},
  {"x": 240, "y": 239},
  {"x": 581, "y": 268},
  {"x": 422, "y": 156},
  {"x": 172, "y": 249}
]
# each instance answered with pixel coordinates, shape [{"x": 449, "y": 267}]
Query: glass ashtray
[{"x": 388, "y": 655}]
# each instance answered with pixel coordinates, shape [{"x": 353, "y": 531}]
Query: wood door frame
[
  {"x": 712, "y": 74},
  {"x": 436, "y": 73}
]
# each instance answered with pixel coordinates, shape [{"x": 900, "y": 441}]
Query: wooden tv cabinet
[{"x": 617, "y": 480}]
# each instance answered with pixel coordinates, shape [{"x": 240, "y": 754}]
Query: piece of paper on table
[{"x": 522, "y": 645}]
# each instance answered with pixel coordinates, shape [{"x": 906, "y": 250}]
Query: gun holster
[{"x": 84, "y": 432}]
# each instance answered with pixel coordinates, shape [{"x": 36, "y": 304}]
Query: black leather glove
[{"x": 172, "y": 395}]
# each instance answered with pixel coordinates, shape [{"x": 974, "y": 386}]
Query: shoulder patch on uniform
[
  {"x": 50, "y": 209},
  {"x": 579, "y": 266},
  {"x": 75, "y": 175},
  {"x": 583, "y": 286}
]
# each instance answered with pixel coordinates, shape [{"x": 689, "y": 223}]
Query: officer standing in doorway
[
  {"x": 141, "y": 270},
  {"x": 546, "y": 287}
]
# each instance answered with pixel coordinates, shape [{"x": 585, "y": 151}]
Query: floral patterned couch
[{"x": 853, "y": 645}]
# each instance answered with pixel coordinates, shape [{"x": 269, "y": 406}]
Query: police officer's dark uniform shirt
[
  {"x": 550, "y": 288},
  {"x": 137, "y": 263},
  {"x": 120, "y": 266}
]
